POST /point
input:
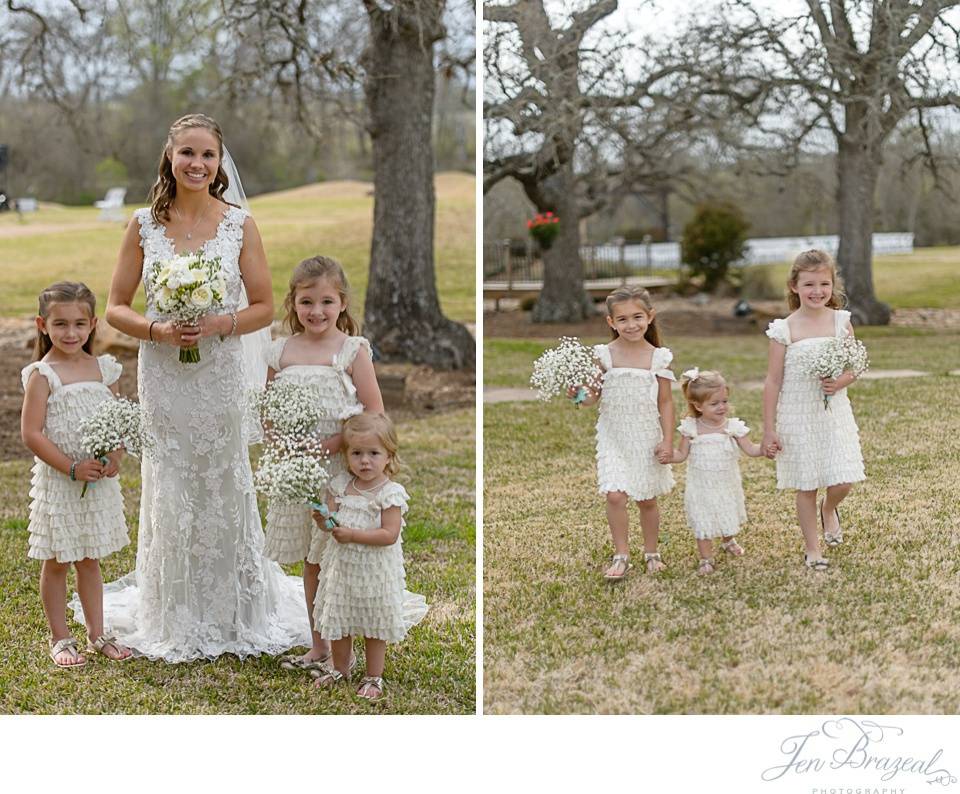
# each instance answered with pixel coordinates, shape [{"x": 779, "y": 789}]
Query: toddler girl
[
  {"x": 362, "y": 583},
  {"x": 635, "y": 425},
  {"x": 814, "y": 447},
  {"x": 711, "y": 444},
  {"x": 326, "y": 353},
  {"x": 61, "y": 388}
]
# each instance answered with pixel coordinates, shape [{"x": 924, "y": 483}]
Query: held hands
[
  {"x": 771, "y": 445},
  {"x": 663, "y": 452}
]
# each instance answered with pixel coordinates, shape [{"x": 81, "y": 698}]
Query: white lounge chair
[{"x": 111, "y": 206}]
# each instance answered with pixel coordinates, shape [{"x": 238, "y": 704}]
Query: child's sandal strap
[{"x": 371, "y": 680}]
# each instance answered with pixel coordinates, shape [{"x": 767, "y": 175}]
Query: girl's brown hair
[
  {"x": 63, "y": 292},
  {"x": 165, "y": 188},
  {"x": 814, "y": 259},
  {"x": 628, "y": 293},
  {"x": 304, "y": 275},
  {"x": 380, "y": 426},
  {"x": 698, "y": 389}
]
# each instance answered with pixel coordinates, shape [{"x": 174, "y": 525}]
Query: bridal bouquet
[
  {"x": 185, "y": 287},
  {"x": 836, "y": 356},
  {"x": 114, "y": 425},
  {"x": 572, "y": 365}
]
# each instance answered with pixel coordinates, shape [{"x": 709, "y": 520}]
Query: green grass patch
[
  {"x": 335, "y": 219},
  {"x": 431, "y": 672},
  {"x": 876, "y": 634}
]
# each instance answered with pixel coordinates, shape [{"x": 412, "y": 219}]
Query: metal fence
[{"x": 506, "y": 261}]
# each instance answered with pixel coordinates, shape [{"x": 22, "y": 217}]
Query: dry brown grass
[{"x": 876, "y": 634}]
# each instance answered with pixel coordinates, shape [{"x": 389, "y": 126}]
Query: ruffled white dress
[
  {"x": 201, "y": 587},
  {"x": 714, "y": 494},
  {"x": 292, "y": 534},
  {"x": 820, "y": 447},
  {"x": 63, "y": 526},
  {"x": 362, "y": 589},
  {"x": 628, "y": 427}
]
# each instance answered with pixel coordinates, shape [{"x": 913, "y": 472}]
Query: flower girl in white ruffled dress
[
  {"x": 362, "y": 588},
  {"x": 711, "y": 444},
  {"x": 635, "y": 425},
  {"x": 62, "y": 387}
]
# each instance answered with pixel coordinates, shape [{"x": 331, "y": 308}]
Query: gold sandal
[
  {"x": 732, "y": 548},
  {"x": 96, "y": 646},
  {"x": 654, "y": 562},
  {"x": 620, "y": 561},
  {"x": 706, "y": 566},
  {"x": 68, "y": 645},
  {"x": 371, "y": 680}
]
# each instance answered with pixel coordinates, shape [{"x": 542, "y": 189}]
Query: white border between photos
[{"x": 478, "y": 377}]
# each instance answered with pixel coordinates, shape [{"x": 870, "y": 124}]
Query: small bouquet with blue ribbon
[
  {"x": 571, "y": 366},
  {"x": 115, "y": 424},
  {"x": 329, "y": 519}
]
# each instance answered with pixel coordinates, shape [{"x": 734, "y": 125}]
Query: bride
[{"x": 201, "y": 587}]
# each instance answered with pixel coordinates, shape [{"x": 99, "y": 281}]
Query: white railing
[{"x": 761, "y": 250}]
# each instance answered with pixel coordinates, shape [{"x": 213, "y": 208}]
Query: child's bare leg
[
  {"x": 53, "y": 596},
  {"x": 807, "y": 516},
  {"x": 650, "y": 523},
  {"x": 834, "y": 496},
  {"x": 90, "y": 590},
  {"x": 705, "y": 548},
  {"x": 343, "y": 654},
  {"x": 619, "y": 521},
  {"x": 320, "y": 648},
  {"x": 376, "y": 651}
]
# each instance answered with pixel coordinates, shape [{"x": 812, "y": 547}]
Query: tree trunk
[
  {"x": 402, "y": 316},
  {"x": 858, "y": 167},
  {"x": 563, "y": 299}
]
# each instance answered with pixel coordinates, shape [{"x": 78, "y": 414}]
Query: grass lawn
[
  {"x": 432, "y": 671},
  {"x": 334, "y": 218},
  {"x": 876, "y": 634}
]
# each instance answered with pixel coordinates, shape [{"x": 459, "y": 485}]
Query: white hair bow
[{"x": 691, "y": 374}]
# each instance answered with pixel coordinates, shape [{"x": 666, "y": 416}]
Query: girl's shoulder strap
[
  {"x": 273, "y": 352},
  {"x": 602, "y": 353},
  {"x": 393, "y": 494},
  {"x": 348, "y": 351},
  {"x": 660, "y": 363},
  {"x": 44, "y": 369},
  {"x": 737, "y": 427},
  {"x": 841, "y": 318},
  {"x": 688, "y": 427},
  {"x": 779, "y": 331},
  {"x": 110, "y": 369}
]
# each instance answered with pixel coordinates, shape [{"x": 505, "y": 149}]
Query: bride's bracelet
[{"x": 233, "y": 326}]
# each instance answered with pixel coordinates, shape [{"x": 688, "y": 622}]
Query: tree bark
[
  {"x": 402, "y": 314},
  {"x": 858, "y": 166},
  {"x": 562, "y": 299}
]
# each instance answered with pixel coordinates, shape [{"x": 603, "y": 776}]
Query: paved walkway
[{"x": 495, "y": 394}]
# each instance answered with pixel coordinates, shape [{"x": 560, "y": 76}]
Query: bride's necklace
[
  {"x": 189, "y": 235},
  {"x": 709, "y": 426}
]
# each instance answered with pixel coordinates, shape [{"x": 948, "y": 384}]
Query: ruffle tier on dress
[
  {"x": 362, "y": 590},
  {"x": 292, "y": 534},
  {"x": 821, "y": 446},
  {"x": 628, "y": 427},
  {"x": 713, "y": 498},
  {"x": 63, "y": 526}
]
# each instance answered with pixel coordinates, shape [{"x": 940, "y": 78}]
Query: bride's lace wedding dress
[{"x": 201, "y": 586}]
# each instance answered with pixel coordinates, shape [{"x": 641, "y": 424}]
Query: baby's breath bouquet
[
  {"x": 294, "y": 464},
  {"x": 836, "y": 356},
  {"x": 571, "y": 365},
  {"x": 290, "y": 410},
  {"x": 186, "y": 287},
  {"x": 114, "y": 425}
]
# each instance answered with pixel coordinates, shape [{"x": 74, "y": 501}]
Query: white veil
[{"x": 255, "y": 343}]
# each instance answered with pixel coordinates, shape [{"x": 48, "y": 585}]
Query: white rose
[
  {"x": 201, "y": 297},
  {"x": 164, "y": 297},
  {"x": 196, "y": 276},
  {"x": 219, "y": 285},
  {"x": 163, "y": 274}
]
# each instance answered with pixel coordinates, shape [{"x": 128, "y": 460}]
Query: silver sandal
[
  {"x": 732, "y": 548},
  {"x": 706, "y": 566},
  {"x": 68, "y": 644},
  {"x": 816, "y": 564},
  {"x": 831, "y": 538},
  {"x": 619, "y": 560},
  {"x": 96, "y": 646},
  {"x": 654, "y": 561},
  {"x": 371, "y": 680}
]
